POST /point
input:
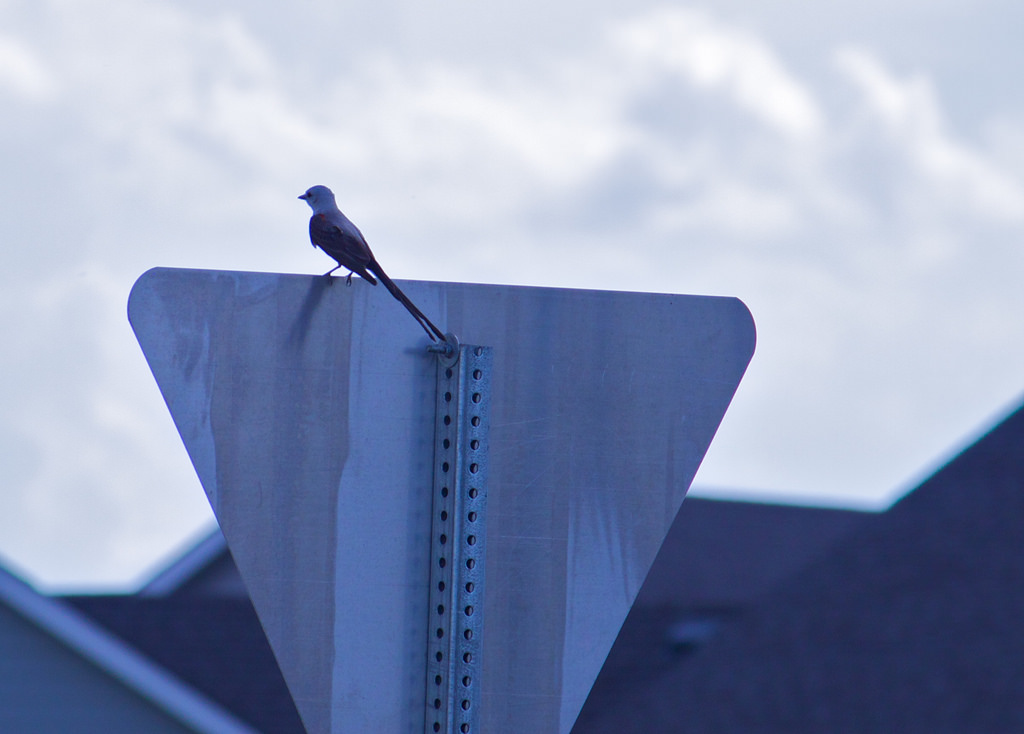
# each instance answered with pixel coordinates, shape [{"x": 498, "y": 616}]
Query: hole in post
[
  {"x": 470, "y": 563},
  {"x": 442, "y": 562},
  {"x": 464, "y": 729},
  {"x": 444, "y": 515},
  {"x": 440, "y": 609},
  {"x": 466, "y": 681},
  {"x": 438, "y": 680},
  {"x": 471, "y": 517},
  {"x": 473, "y": 492},
  {"x": 440, "y": 632},
  {"x": 447, "y": 444},
  {"x": 447, "y": 397},
  {"x": 448, "y": 373},
  {"x": 444, "y": 466},
  {"x": 474, "y": 444},
  {"x": 465, "y": 704},
  {"x": 477, "y": 374},
  {"x": 468, "y": 634},
  {"x": 439, "y": 656},
  {"x": 477, "y": 397},
  {"x": 475, "y": 420},
  {"x": 440, "y": 585},
  {"x": 469, "y": 587},
  {"x": 444, "y": 491},
  {"x": 471, "y": 540},
  {"x": 467, "y": 657},
  {"x": 474, "y": 468},
  {"x": 469, "y": 612},
  {"x": 443, "y": 538},
  {"x": 437, "y": 726}
]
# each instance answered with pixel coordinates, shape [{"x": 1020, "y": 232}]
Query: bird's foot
[{"x": 348, "y": 280}]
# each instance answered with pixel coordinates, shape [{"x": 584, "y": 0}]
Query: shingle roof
[
  {"x": 57, "y": 644},
  {"x": 800, "y": 619},
  {"x": 216, "y": 644},
  {"x": 911, "y": 624},
  {"x": 722, "y": 553},
  {"x": 194, "y": 620}
]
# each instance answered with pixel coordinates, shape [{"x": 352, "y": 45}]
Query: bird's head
[{"x": 319, "y": 198}]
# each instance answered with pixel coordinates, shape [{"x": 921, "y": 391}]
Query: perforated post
[{"x": 458, "y": 540}]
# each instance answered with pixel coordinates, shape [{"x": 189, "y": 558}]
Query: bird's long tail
[{"x": 432, "y": 331}]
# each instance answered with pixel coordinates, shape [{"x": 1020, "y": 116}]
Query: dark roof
[
  {"x": 61, "y": 671},
  {"x": 721, "y": 553},
  {"x": 719, "y": 558},
  {"x": 195, "y": 619},
  {"x": 216, "y": 644},
  {"x": 910, "y": 624},
  {"x": 754, "y": 618}
]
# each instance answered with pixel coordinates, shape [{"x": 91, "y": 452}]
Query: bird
[{"x": 335, "y": 234}]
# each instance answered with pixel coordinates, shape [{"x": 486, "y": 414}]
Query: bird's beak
[{"x": 304, "y": 196}]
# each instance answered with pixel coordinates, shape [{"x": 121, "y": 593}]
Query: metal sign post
[
  {"x": 316, "y": 420},
  {"x": 458, "y": 541}
]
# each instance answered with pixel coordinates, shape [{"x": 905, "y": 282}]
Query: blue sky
[{"x": 853, "y": 172}]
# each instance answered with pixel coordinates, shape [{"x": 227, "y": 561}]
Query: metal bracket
[{"x": 458, "y": 540}]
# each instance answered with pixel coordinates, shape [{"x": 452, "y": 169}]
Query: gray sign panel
[{"x": 308, "y": 411}]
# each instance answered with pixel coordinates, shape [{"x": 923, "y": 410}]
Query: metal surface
[
  {"x": 458, "y": 542},
  {"x": 308, "y": 412}
]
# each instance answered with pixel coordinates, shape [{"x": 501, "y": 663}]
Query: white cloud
[
  {"x": 714, "y": 55},
  {"x": 672, "y": 151},
  {"x": 910, "y": 113},
  {"x": 101, "y": 487},
  {"x": 22, "y": 72}
]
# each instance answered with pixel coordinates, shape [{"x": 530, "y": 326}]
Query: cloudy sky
[{"x": 853, "y": 171}]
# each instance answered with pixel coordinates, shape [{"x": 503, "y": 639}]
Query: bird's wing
[{"x": 342, "y": 241}]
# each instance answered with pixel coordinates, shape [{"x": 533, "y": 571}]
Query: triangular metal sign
[{"x": 308, "y": 411}]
